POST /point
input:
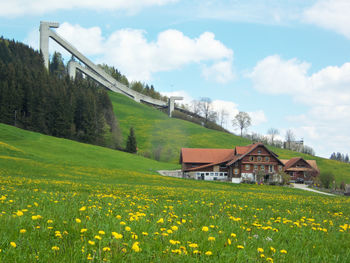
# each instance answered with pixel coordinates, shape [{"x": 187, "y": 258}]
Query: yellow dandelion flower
[
  {"x": 101, "y": 232},
  {"x": 49, "y": 221},
  {"x": 196, "y": 252},
  {"x": 78, "y": 220},
  {"x": 19, "y": 213},
  {"x": 91, "y": 242},
  {"x": 135, "y": 247},
  {"x": 22, "y": 231},
  {"x": 13, "y": 244},
  {"x": 134, "y": 236},
  {"x": 117, "y": 235},
  {"x": 160, "y": 221},
  {"x": 273, "y": 249},
  {"x": 124, "y": 250},
  {"x": 193, "y": 245},
  {"x": 208, "y": 253},
  {"x": 89, "y": 257},
  {"x": 211, "y": 238},
  {"x": 174, "y": 228},
  {"x": 260, "y": 250},
  {"x": 262, "y": 255},
  {"x": 283, "y": 251},
  {"x": 233, "y": 235},
  {"x": 55, "y": 248},
  {"x": 106, "y": 249},
  {"x": 269, "y": 260},
  {"x": 205, "y": 229},
  {"x": 98, "y": 237},
  {"x": 229, "y": 241},
  {"x": 83, "y": 208},
  {"x": 127, "y": 228},
  {"x": 240, "y": 247},
  {"x": 83, "y": 230},
  {"x": 144, "y": 233}
]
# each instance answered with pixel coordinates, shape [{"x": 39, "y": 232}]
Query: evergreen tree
[{"x": 131, "y": 145}]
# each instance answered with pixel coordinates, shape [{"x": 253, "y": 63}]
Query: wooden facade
[{"x": 241, "y": 163}]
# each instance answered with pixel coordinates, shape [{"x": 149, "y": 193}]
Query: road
[{"x": 304, "y": 187}]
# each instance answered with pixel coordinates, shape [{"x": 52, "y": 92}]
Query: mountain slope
[{"x": 157, "y": 134}]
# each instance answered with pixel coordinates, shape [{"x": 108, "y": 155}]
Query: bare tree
[
  {"x": 272, "y": 132},
  {"x": 223, "y": 114},
  {"x": 195, "y": 105},
  {"x": 206, "y": 109},
  {"x": 242, "y": 120},
  {"x": 289, "y": 138}
]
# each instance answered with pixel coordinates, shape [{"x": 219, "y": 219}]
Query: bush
[
  {"x": 326, "y": 179},
  {"x": 285, "y": 178}
]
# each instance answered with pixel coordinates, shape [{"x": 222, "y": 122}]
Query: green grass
[
  {"x": 155, "y": 129},
  {"x": 63, "y": 201}
]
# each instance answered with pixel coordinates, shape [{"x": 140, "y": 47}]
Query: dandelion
[
  {"x": 13, "y": 244},
  {"x": 55, "y": 248},
  {"x": 134, "y": 236},
  {"x": 283, "y": 251},
  {"x": 208, "y": 253},
  {"x": 260, "y": 250},
  {"x": 269, "y": 260},
  {"x": 22, "y": 231},
  {"x": 101, "y": 232},
  {"x": 127, "y": 228},
  {"x": 106, "y": 249},
  {"x": 240, "y": 247},
  {"x": 193, "y": 245},
  {"x": 91, "y": 242},
  {"x": 49, "y": 221},
  {"x": 174, "y": 242},
  {"x": 211, "y": 238},
  {"x": 83, "y": 208},
  {"x": 229, "y": 241},
  {"x": 196, "y": 252},
  {"x": 135, "y": 247},
  {"x": 205, "y": 229},
  {"x": 89, "y": 257},
  {"x": 144, "y": 233},
  {"x": 273, "y": 249},
  {"x": 19, "y": 213},
  {"x": 83, "y": 230},
  {"x": 262, "y": 255},
  {"x": 233, "y": 235},
  {"x": 117, "y": 235},
  {"x": 78, "y": 220},
  {"x": 98, "y": 237},
  {"x": 174, "y": 228},
  {"x": 160, "y": 221}
]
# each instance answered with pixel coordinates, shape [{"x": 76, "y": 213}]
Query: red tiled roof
[
  {"x": 199, "y": 155},
  {"x": 289, "y": 163}
]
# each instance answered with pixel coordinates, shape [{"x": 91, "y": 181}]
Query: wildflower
[
  {"x": 145, "y": 233},
  {"x": 262, "y": 255},
  {"x": 91, "y": 242},
  {"x": 196, "y": 252},
  {"x": 240, "y": 247},
  {"x": 13, "y": 244},
  {"x": 124, "y": 250},
  {"x": 193, "y": 245},
  {"x": 78, "y": 220},
  {"x": 269, "y": 260},
  {"x": 205, "y": 229},
  {"x": 19, "y": 213},
  {"x": 122, "y": 223},
  {"x": 174, "y": 242},
  {"x": 106, "y": 249},
  {"x": 160, "y": 221},
  {"x": 260, "y": 250},
  {"x": 83, "y": 208},
  {"x": 89, "y": 257},
  {"x": 117, "y": 236},
  {"x": 55, "y": 248},
  {"x": 49, "y": 221},
  {"x": 174, "y": 228},
  {"x": 233, "y": 235},
  {"x": 101, "y": 232},
  {"x": 136, "y": 247},
  {"x": 211, "y": 238},
  {"x": 273, "y": 249},
  {"x": 83, "y": 230},
  {"x": 22, "y": 231},
  {"x": 98, "y": 237},
  {"x": 283, "y": 251},
  {"x": 127, "y": 228},
  {"x": 229, "y": 241},
  {"x": 134, "y": 236},
  {"x": 208, "y": 253}
]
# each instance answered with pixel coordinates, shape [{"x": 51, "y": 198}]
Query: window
[
  {"x": 222, "y": 165},
  {"x": 259, "y": 151},
  {"x": 267, "y": 159},
  {"x": 255, "y": 167},
  {"x": 280, "y": 168},
  {"x": 251, "y": 158},
  {"x": 270, "y": 168},
  {"x": 262, "y": 168},
  {"x": 225, "y": 174},
  {"x": 236, "y": 171},
  {"x": 247, "y": 167},
  {"x": 216, "y": 174},
  {"x": 198, "y": 173},
  {"x": 215, "y": 178},
  {"x": 211, "y": 174},
  {"x": 259, "y": 159},
  {"x": 206, "y": 173}
]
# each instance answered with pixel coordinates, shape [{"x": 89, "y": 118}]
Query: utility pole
[{"x": 15, "y": 118}]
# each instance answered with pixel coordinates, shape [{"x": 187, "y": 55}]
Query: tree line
[
  {"x": 340, "y": 157},
  {"x": 50, "y": 102}
]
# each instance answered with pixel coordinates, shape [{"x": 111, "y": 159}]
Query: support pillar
[
  {"x": 171, "y": 104},
  {"x": 44, "y": 39}
]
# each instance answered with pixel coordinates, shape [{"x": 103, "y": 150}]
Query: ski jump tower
[{"x": 94, "y": 71}]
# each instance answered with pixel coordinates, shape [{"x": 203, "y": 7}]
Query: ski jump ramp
[{"x": 94, "y": 71}]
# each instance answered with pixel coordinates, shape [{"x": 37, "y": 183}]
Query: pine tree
[{"x": 131, "y": 145}]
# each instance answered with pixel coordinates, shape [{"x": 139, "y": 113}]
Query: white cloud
[
  {"x": 330, "y": 14},
  {"x": 15, "y": 8},
  {"x": 326, "y": 93},
  {"x": 187, "y": 99},
  {"x": 138, "y": 58},
  {"x": 258, "y": 117}
]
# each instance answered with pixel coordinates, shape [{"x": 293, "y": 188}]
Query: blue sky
[{"x": 286, "y": 63}]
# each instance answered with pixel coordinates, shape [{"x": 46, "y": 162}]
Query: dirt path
[{"x": 304, "y": 187}]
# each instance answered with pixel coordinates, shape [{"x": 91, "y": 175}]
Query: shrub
[{"x": 326, "y": 179}]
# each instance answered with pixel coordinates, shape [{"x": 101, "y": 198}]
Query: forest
[{"x": 33, "y": 98}]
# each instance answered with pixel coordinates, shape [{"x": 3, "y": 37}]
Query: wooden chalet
[
  {"x": 298, "y": 168},
  {"x": 240, "y": 163}
]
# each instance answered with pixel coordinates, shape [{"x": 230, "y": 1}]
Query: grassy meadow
[
  {"x": 62, "y": 201},
  {"x": 155, "y": 129}
]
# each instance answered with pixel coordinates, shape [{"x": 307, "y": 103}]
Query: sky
[{"x": 285, "y": 62}]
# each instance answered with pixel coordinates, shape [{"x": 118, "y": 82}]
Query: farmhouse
[{"x": 243, "y": 163}]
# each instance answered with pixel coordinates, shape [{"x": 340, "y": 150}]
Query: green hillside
[{"x": 156, "y": 131}]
